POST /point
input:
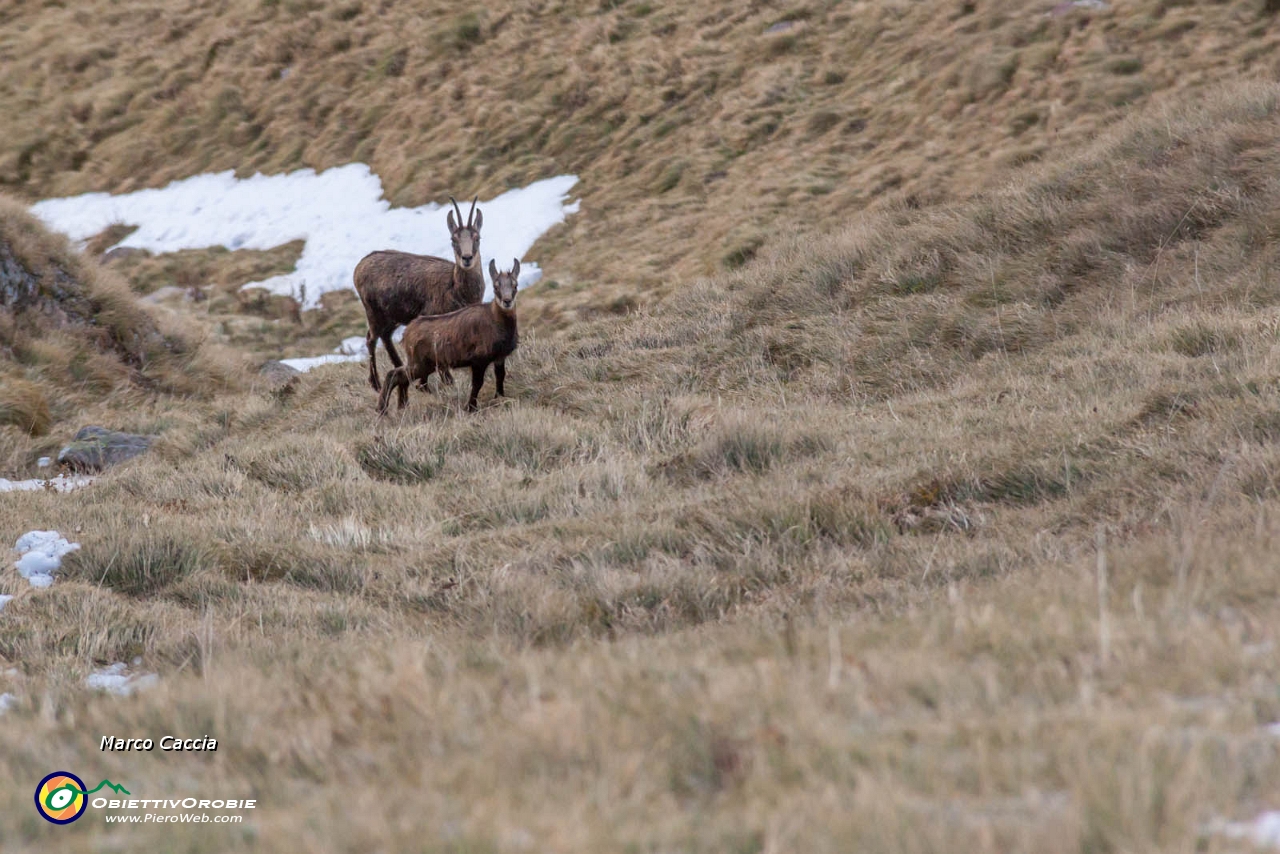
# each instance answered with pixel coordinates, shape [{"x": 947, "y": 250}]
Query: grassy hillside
[
  {"x": 701, "y": 130},
  {"x": 948, "y": 531},
  {"x": 75, "y": 344}
]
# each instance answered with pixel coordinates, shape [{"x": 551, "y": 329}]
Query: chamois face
[
  {"x": 466, "y": 238},
  {"x": 504, "y": 285}
]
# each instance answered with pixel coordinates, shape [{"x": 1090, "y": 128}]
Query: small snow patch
[
  {"x": 781, "y": 27},
  {"x": 1263, "y": 831},
  {"x": 1064, "y": 8},
  {"x": 340, "y": 213},
  {"x": 116, "y": 679},
  {"x": 44, "y": 462},
  {"x": 351, "y": 349},
  {"x": 55, "y": 484},
  {"x": 307, "y": 363},
  {"x": 7, "y": 701},
  {"x": 41, "y": 553},
  {"x": 353, "y": 346},
  {"x": 4, "y": 600}
]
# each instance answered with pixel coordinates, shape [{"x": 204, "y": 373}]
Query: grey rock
[
  {"x": 278, "y": 374},
  {"x": 95, "y": 448}
]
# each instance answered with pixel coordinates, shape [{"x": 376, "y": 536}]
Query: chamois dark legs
[
  {"x": 391, "y": 348},
  {"x": 499, "y": 374},
  {"x": 398, "y": 381},
  {"x": 477, "y": 380},
  {"x": 371, "y": 341}
]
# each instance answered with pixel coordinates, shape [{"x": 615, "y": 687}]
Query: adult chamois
[
  {"x": 395, "y": 287},
  {"x": 474, "y": 337}
]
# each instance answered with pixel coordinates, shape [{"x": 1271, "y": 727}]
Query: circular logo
[{"x": 60, "y": 797}]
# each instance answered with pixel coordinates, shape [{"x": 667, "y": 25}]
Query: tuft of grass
[
  {"x": 466, "y": 32},
  {"x": 822, "y": 121},
  {"x": 138, "y": 563},
  {"x": 742, "y": 254},
  {"x": 1125, "y": 65},
  {"x": 401, "y": 460},
  {"x": 670, "y": 177},
  {"x": 746, "y": 447},
  {"x": 292, "y": 467},
  {"x": 393, "y": 64},
  {"x": 1204, "y": 340},
  {"x": 24, "y": 405}
]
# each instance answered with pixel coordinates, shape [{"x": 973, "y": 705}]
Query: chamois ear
[
  {"x": 493, "y": 270},
  {"x": 453, "y": 226},
  {"x": 479, "y": 219},
  {"x": 515, "y": 270}
]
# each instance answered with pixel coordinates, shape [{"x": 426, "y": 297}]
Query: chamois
[
  {"x": 474, "y": 337},
  {"x": 395, "y": 287}
]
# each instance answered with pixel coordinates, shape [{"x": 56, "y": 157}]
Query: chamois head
[
  {"x": 504, "y": 285},
  {"x": 466, "y": 238}
]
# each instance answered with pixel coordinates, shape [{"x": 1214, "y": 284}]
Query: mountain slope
[
  {"x": 952, "y": 530},
  {"x": 700, "y": 131},
  {"x": 74, "y": 339}
]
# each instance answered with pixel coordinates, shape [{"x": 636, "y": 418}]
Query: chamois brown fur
[
  {"x": 474, "y": 337},
  {"x": 395, "y": 287}
]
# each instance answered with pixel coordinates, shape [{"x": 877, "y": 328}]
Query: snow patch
[
  {"x": 353, "y": 346},
  {"x": 41, "y": 553},
  {"x": 339, "y": 212},
  {"x": 351, "y": 349},
  {"x": 116, "y": 679},
  {"x": 307, "y": 363},
  {"x": 7, "y": 701},
  {"x": 1263, "y": 831},
  {"x": 4, "y": 600},
  {"x": 56, "y": 484}
]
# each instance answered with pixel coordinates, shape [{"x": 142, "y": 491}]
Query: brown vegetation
[
  {"x": 948, "y": 527},
  {"x": 951, "y": 531},
  {"x": 697, "y": 133},
  {"x": 73, "y": 339}
]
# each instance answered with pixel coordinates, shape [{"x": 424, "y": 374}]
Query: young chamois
[
  {"x": 395, "y": 287},
  {"x": 473, "y": 337}
]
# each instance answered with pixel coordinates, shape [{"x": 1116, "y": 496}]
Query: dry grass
[
  {"x": 76, "y": 347},
  {"x": 697, "y": 133},
  {"x": 801, "y": 558}
]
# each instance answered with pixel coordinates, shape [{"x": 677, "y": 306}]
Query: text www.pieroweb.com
[
  {"x": 149, "y": 811},
  {"x": 181, "y": 818}
]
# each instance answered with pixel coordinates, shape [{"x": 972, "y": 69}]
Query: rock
[
  {"x": 278, "y": 374},
  {"x": 95, "y": 448}
]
